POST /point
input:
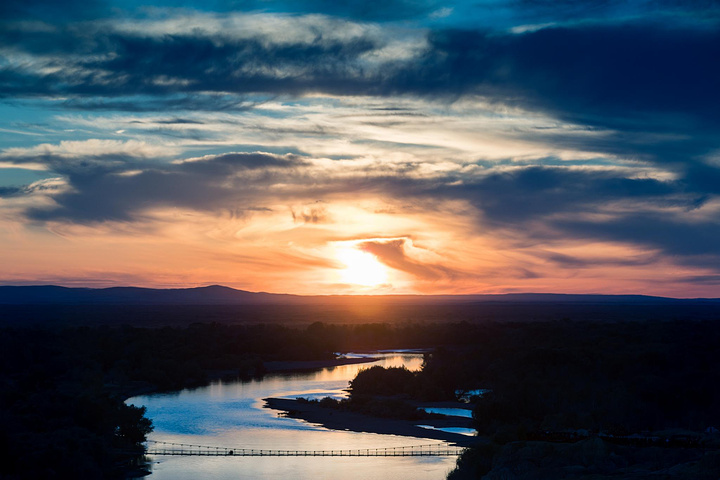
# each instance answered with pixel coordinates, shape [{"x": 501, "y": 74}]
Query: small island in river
[{"x": 339, "y": 419}]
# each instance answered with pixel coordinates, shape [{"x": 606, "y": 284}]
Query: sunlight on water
[{"x": 232, "y": 414}]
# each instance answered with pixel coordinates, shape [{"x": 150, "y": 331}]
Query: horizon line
[{"x": 337, "y": 295}]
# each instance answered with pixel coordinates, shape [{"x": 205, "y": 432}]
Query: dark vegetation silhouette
[
  {"x": 344, "y": 310},
  {"x": 381, "y": 392},
  {"x": 566, "y": 399},
  {"x": 61, "y": 406},
  {"x": 63, "y": 388},
  {"x": 589, "y": 400}
]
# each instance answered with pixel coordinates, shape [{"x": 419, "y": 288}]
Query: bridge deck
[{"x": 174, "y": 449}]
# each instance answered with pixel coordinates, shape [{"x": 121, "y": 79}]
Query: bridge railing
[{"x": 155, "y": 447}]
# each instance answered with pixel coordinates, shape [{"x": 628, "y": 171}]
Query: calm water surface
[
  {"x": 231, "y": 414},
  {"x": 452, "y": 412}
]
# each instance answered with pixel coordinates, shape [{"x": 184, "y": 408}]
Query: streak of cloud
[{"x": 263, "y": 132}]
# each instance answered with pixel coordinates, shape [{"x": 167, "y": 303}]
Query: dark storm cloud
[
  {"x": 670, "y": 234},
  {"x": 702, "y": 279},
  {"x": 631, "y": 76},
  {"x": 10, "y": 191},
  {"x": 569, "y": 261},
  {"x": 392, "y": 254},
  {"x": 117, "y": 64},
  {"x": 52, "y": 10},
  {"x": 529, "y": 193},
  {"x": 176, "y": 121},
  {"x": 564, "y": 8},
  {"x": 86, "y": 166},
  {"x": 229, "y": 163},
  {"x": 120, "y": 198},
  {"x": 703, "y": 177},
  {"x": 607, "y": 75},
  {"x": 684, "y": 155},
  {"x": 164, "y": 102},
  {"x": 538, "y": 11},
  {"x": 235, "y": 65},
  {"x": 114, "y": 192},
  {"x": 388, "y": 10}
]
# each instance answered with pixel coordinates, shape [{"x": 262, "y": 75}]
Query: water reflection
[
  {"x": 232, "y": 414},
  {"x": 461, "y": 430},
  {"x": 451, "y": 412}
]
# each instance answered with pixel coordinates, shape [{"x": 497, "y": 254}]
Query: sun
[{"x": 361, "y": 268}]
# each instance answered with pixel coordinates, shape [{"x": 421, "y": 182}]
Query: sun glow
[{"x": 361, "y": 268}]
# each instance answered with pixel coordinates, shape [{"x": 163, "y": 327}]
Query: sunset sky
[{"x": 324, "y": 146}]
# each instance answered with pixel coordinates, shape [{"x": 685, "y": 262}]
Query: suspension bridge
[{"x": 168, "y": 448}]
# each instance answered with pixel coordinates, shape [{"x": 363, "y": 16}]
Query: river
[{"x": 232, "y": 414}]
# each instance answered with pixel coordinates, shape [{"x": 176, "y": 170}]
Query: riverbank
[
  {"x": 289, "y": 366},
  {"x": 355, "y": 422},
  {"x": 134, "y": 389}
]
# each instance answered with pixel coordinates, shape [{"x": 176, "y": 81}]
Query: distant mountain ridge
[
  {"x": 210, "y": 295},
  {"x": 220, "y": 295}
]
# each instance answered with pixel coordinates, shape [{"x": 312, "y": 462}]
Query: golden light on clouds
[{"x": 399, "y": 155}]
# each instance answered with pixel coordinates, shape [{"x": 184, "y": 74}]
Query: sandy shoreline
[{"x": 356, "y": 422}]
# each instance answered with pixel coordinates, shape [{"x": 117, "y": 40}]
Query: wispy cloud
[{"x": 474, "y": 146}]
